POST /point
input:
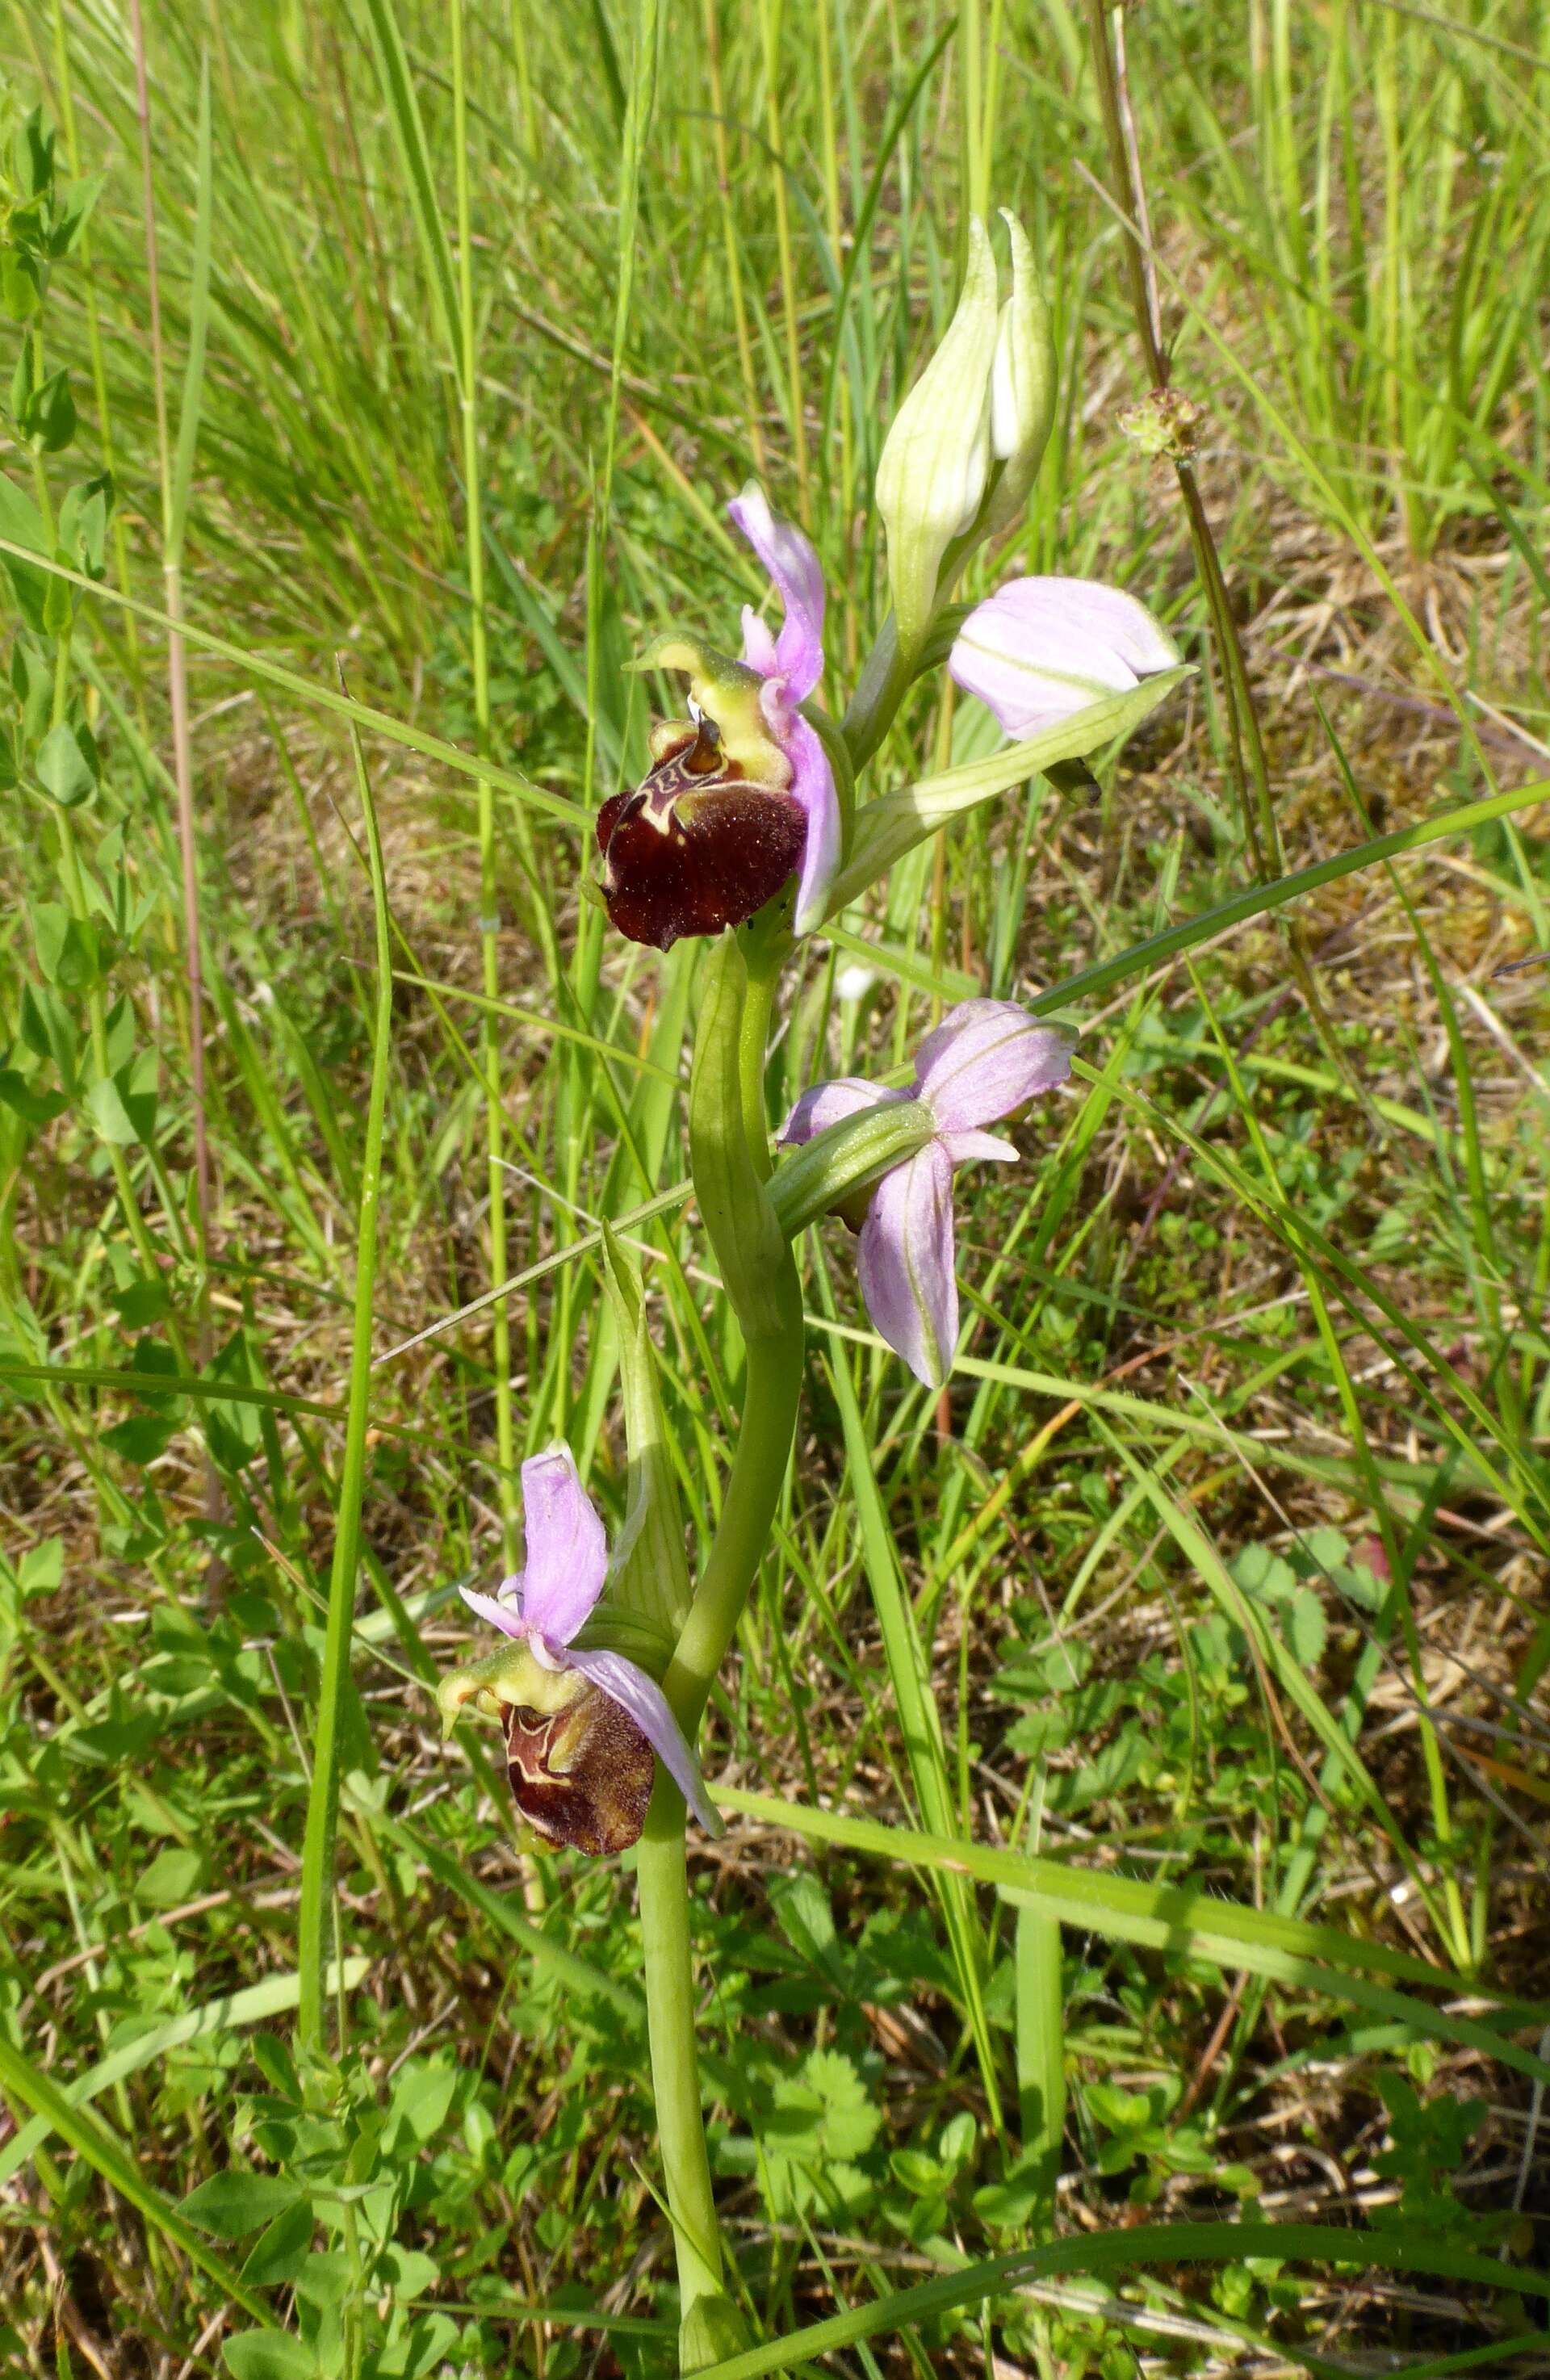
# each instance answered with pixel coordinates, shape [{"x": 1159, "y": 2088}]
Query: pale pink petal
[
  {"x": 505, "y": 1615},
  {"x": 643, "y": 1700},
  {"x": 984, "y": 1059},
  {"x": 813, "y": 785},
  {"x": 829, "y": 1103},
  {"x": 978, "y": 1148},
  {"x": 1040, "y": 650},
  {"x": 567, "y": 1550},
  {"x": 794, "y": 567},
  {"x": 904, "y": 1260}
]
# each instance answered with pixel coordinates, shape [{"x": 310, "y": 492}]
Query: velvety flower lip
[
  {"x": 791, "y": 664},
  {"x": 984, "y": 1059},
  {"x": 548, "y": 1603},
  {"x": 740, "y": 797},
  {"x": 1040, "y": 650}
]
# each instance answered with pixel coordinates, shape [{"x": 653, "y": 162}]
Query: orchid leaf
[{"x": 896, "y": 822}]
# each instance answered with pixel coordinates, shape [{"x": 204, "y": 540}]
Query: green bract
[
  {"x": 824, "y": 1177},
  {"x": 647, "y": 1592}
]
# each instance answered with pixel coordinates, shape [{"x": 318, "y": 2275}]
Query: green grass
[{"x": 1134, "y": 1762}]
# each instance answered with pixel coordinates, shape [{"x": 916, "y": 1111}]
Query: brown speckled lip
[
  {"x": 695, "y": 848},
  {"x": 583, "y": 1776}
]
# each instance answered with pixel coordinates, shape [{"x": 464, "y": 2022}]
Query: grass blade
[{"x": 322, "y": 1808}]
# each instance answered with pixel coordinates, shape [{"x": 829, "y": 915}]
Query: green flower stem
[
  {"x": 670, "y": 2010},
  {"x": 765, "y": 956},
  {"x": 759, "y": 1470},
  {"x": 728, "y": 1154}
]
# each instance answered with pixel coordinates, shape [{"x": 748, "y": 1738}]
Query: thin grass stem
[{"x": 315, "y": 1921}]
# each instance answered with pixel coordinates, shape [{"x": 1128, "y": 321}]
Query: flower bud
[
  {"x": 936, "y": 458},
  {"x": 1022, "y": 384}
]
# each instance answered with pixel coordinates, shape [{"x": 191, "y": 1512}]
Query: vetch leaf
[
  {"x": 231, "y": 2204},
  {"x": 68, "y": 947},
  {"x": 22, "y": 524},
  {"x": 269, "y": 2355},
  {"x": 280, "y": 2253},
  {"x": 172, "y": 1877},
  {"x": 36, "y": 1108},
  {"x": 66, "y": 766}
]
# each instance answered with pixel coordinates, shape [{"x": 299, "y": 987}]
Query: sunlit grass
[{"x": 1219, "y": 1573}]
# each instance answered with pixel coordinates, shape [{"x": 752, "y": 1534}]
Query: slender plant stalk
[
  {"x": 769, "y": 27},
  {"x": 315, "y": 1926},
  {"x": 971, "y": 91},
  {"x": 662, "y": 1876},
  {"x": 177, "y": 680},
  {"x": 729, "y": 1147},
  {"x": 489, "y": 922},
  {"x": 1250, "y": 771},
  {"x": 95, "y": 341},
  {"x": 729, "y": 233},
  {"x": 518, "y": 19}
]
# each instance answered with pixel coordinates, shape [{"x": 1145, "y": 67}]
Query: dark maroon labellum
[
  {"x": 696, "y": 847},
  {"x": 581, "y": 1776}
]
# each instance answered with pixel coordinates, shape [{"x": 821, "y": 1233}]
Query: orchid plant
[{"x": 747, "y": 830}]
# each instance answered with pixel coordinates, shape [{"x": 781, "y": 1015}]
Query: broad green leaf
[
  {"x": 1188, "y": 1920},
  {"x": 281, "y": 2250},
  {"x": 65, "y": 768},
  {"x": 886, "y": 829},
  {"x": 231, "y": 2204},
  {"x": 269, "y": 2355}
]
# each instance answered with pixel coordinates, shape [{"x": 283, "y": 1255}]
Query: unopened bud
[
  {"x": 1022, "y": 384},
  {"x": 936, "y": 458}
]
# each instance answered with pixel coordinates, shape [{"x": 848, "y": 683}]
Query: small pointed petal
[
  {"x": 567, "y": 1549},
  {"x": 829, "y": 1103},
  {"x": 1040, "y": 650},
  {"x": 794, "y": 567},
  {"x": 984, "y": 1059},
  {"x": 978, "y": 1148},
  {"x": 812, "y": 788},
  {"x": 643, "y": 1700},
  {"x": 498, "y": 1611},
  {"x": 904, "y": 1259},
  {"x": 758, "y": 643}
]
